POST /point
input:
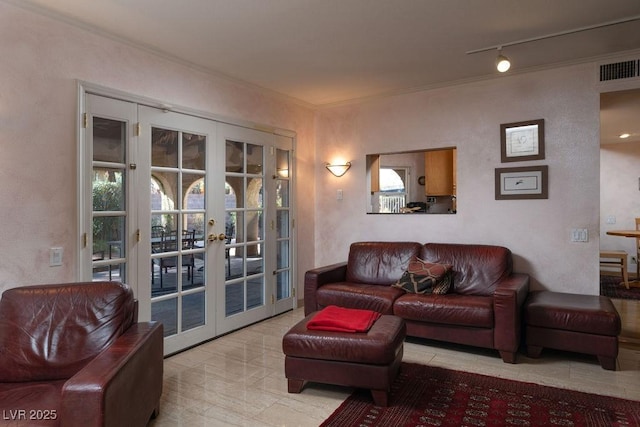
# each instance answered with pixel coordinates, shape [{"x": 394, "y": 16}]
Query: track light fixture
[{"x": 502, "y": 62}]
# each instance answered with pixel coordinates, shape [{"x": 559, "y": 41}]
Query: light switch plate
[
  {"x": 55, "y": 257},
  {"x": 579, "y": 235}
]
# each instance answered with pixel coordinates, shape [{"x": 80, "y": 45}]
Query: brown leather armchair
[{"x": 75, "y": 355}]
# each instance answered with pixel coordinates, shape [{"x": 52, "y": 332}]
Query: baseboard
[{"x": 617, "y": 274}]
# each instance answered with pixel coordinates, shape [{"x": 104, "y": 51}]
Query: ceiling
[
  {"x": 620, "y": 113},
  {"x": 327, "y": 52},
  {"x": 323, "y": 52}
]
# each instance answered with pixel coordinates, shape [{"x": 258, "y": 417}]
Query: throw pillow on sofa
[{"x": 422, "y": 277}]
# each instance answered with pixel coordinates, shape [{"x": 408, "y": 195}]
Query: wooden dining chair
[
  {"x": 616, "y": 259},
  {"x": 171, "y": 244}
]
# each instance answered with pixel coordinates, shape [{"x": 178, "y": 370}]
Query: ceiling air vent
[{"x": 619, "y": 70}]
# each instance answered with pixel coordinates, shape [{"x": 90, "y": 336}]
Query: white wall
[
  {"x": 42, "y": 59},
  {"x": 469, "y": 117},
  {"x": 619, "y": 195}
]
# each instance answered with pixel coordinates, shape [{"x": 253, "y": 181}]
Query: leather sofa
[
  {"x": 483, "y": 308},
  {"x": 75, "y": 355}
]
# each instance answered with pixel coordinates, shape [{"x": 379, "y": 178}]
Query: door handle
[
  {"x": 222, "y": 236},
  {"x": 212, "y": 238}
]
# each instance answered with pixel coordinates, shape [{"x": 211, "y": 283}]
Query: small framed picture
[
  {"x": 529, "y": 182},
  {"x": 522, "y": 141}
]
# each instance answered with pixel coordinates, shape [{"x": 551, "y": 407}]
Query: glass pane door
[
  {"x": 245, "y": 293},
  {"x": 244, "y": 227},
  {"x": 181, "y": 155},
  {"x": 177, "y": 227},
  {"x": 284, "y": 230},
  {"x": 194, "y": 214},
  {"x": 108, "y": 199},
  {"x": 107, "y": 250}
]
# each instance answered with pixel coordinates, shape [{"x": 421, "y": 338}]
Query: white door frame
[{"x": 141, "y": 272}]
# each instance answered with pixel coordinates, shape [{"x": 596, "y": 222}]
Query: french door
[
  {"x": 182, "y": 207},
  {"x": 201, "y": 222},
  {"x": 106, "y": 194},
  {"x": 258, "y": 226}
]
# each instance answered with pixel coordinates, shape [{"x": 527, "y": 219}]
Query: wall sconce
[{"x": 338, "y": 170}]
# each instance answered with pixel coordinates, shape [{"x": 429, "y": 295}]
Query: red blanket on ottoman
[{"x": 340, "y": 319}]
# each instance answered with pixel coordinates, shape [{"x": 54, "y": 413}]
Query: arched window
[{"x": 393, "y": 189}]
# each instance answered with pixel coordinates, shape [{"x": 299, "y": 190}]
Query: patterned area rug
[
  {"x": 431, "y": 396},
  {"x": 610, "y": 287}
]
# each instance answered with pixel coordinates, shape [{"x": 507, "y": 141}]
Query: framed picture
[
  {"x": 522, "y": 141},
  {"x": 529, "y": 182}
]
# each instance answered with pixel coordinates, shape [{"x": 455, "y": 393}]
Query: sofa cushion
[
  {"x": 358, "y": 295},
  {"x": 477, "y": 268},
  {"x": 58, "y": 329},
  {"x": 591, "y": 314},
  {"x": 379, "y": 263},
  {"x": 423, "y": 277},
  {"x": 450, "y": 309}
]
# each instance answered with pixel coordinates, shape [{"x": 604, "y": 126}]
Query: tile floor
[{"x": 238, "y": 379}]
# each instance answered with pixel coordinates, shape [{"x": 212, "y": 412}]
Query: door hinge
[
  {"x": 84, "y": 240},
  {"x": 85, "y": 120},
  {"x": 273, "y": 299},
  {"x": 138, "y": 235},
  {"x": 138, "y": 129}
]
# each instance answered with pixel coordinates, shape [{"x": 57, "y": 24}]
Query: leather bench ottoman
[
  {"x": 368, "y": 360},
  {"x": 580, "y": 323}
]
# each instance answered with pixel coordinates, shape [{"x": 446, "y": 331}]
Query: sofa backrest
[
  {"x": 50, "y": 332},
  {"x": 379, "y": 263},
  {"x": 476, "y": 268}
]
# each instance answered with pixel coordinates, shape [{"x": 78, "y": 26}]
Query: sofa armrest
[
  {"x": 121, "y": 386},
  {"x": 317, "y": 277},
  {"x": 508, "y": 300}
]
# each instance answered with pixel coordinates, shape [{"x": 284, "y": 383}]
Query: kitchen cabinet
[
  {"x": 440, "y": 172},
  {"x": 373, "y": 172}
]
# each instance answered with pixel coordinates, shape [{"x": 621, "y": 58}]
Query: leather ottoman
[
  {"x": 580, "y": 323},
  {"x": 368, "y": 360}
]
